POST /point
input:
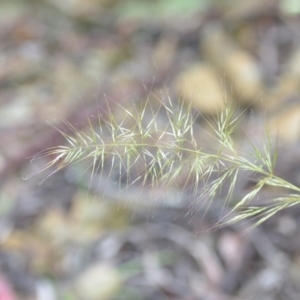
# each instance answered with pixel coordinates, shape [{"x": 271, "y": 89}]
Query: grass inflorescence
[{"x": 147, "y": 152}]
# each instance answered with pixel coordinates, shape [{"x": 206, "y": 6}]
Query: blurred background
[{"x": 62, "y": 60}]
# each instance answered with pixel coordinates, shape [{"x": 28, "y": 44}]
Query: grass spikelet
[{"x": 150, "y": 151}]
